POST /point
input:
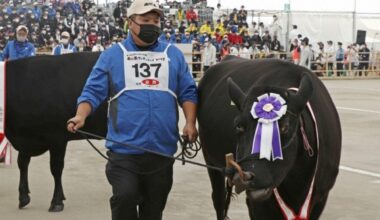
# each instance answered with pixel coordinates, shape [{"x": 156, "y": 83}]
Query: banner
[{"x": 5, "y": 145}]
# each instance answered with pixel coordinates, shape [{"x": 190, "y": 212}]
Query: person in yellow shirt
[
  {"x": 192, "y": 29},
  {"x": 206, "y": 27},
  {"x": 180, "y": 14},
  {"x": 219, "y": 25}
]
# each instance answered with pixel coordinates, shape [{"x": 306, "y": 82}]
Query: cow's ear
[
  {"x": 236, "y": 94},
  {"x": 305, "y": 91}
]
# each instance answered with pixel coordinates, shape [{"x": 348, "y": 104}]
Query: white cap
[
  {"x": 20, "y": 27},
  {"x": 139, "y": 7},
  {"x": 65, "y": 34}
]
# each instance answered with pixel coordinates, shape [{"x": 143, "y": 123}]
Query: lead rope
[{"x": 223, "y": 170}]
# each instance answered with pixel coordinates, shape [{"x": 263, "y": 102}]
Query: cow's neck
[{"x": 296, "y": 185}]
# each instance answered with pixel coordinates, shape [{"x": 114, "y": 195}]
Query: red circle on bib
[{"x": 150, "y": 82}]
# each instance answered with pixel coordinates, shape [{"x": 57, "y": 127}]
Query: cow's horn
[
  {"x": 236, "y": 94},
  {"x": 305, "y": 92}
]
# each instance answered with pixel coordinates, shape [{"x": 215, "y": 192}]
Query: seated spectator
[
  {"x": 188, "y": 38},
  {"x": 97, "y": 47},
  {"x": 219, "y": 25},
  {"x": 177, "y": 37},
  {"x": 244, "y": 51},
  {"x": 234, "y": 17},
  {"x": 191, "y": 16},
  {"x": 233, "y": 37},
  {"x": 206, "y": 28},
  {"x": 19, "y": 48},
  {"x": 192, "y": 29},
  {"x": 242, "y": 16},
  {"x": 65, "y": 46}
]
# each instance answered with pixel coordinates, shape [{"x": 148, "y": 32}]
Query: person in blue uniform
[
  {"x": 65, "y": 46},
  {"x": 19, "y": 48},
  {"x": 144, "y": 80}
]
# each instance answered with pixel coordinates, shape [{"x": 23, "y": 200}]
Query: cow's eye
[
  {"x": 239, "y": 129},
  {"x": 285, "y": 128}
]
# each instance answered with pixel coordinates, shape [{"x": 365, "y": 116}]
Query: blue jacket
[
  {"x": 16, "y": 50},
  {"x": 144, "y": 118},
  {"x": 58, "y": 49}
]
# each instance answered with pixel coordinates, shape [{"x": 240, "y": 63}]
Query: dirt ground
[{"x": 355, "y": 195}]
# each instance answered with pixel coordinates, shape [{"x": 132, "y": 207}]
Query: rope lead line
[{"x": 86, "y": 134}]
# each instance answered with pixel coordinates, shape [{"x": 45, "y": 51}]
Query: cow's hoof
[
  {"x": 56, "y": 208},
  {"x": 23, "y": 201}
]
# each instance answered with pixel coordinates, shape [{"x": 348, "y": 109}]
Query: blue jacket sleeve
[
  {"x": 187, "y": 90},
  {"x": 32, "y": 50},
  {"x": 6, "y": 51},
  {"x": 95, "y": 90}
]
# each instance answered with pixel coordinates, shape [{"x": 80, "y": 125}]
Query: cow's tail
[{"x": 228, "y": 199}]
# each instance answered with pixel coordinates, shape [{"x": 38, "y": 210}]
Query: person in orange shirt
[{"x": 296, "y": 52}]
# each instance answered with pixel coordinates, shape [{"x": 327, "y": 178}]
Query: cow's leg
[
  {"x": 218, "y": 192},
  {"x": 57, "y": 156},
  {"x": 23, "y": 161},
  {"x": 318, "y": 208}
]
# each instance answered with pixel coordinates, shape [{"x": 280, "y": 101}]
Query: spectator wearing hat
[
  {"x": 19, "y": 48},
  {"x": 209, "y": 55},
  {"x": 339, "y": 58},
  {"x": 143, "y": 111},
  {"x": 65, "y": 46},
  {"x": 233, "y": 37}
]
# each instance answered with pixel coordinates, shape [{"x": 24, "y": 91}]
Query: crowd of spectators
[
  {"x": 88, "y": 26},
  {"x": 63, "y": 26}
]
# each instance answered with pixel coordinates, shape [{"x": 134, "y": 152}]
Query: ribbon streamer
[{"x": 267, "y": 141}]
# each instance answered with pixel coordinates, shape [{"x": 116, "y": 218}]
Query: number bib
[{"x": 146, "y": 70}]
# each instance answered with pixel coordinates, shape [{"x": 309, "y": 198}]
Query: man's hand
[
  {"x": 190, "y": 132},
  {"x": 83, "y": 110},
  {"x": 75, "y": 123}
]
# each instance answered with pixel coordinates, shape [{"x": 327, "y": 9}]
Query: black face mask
[{"x": 149, "y": 33}]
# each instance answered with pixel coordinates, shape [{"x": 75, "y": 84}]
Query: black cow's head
[{"x": 262, "y": 171}]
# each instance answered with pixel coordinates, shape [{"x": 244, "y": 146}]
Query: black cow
[
  {"x": 225, "y": 127},
  {"x": 41, "y": 94}
]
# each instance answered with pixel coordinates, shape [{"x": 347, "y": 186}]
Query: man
[
  {"x": 330, "y": 53},
  {"x": 209, "y": 55},
  {"x": 146, "y": 79},
  {"x": 306, "y": 53},
  {"x": 19, "y": 48},
  {"x": 339, "y": 60},
  {"x": 65, "y": 46},
  {"x": 217, "y": 13},
  {"x": 293, "y": 35},
  {"x": 364, "y": 53}
]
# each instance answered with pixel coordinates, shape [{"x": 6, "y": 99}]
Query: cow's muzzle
[{"x": 247, "y": 184}]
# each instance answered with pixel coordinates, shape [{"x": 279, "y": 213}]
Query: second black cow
[
  {"x": 41, "y": 94},
  {"x": 290, "y": 154}
]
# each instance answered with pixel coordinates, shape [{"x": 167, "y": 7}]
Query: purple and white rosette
[{"x": 267, "y": 141}]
